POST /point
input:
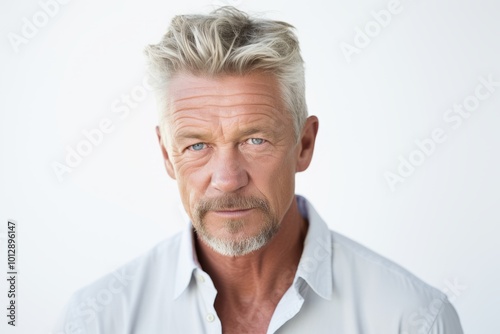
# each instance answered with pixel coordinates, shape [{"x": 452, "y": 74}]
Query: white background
[{"x": 441, "y": 223}]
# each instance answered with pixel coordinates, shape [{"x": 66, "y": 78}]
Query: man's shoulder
[
  {"x": 380, "y": 287},
  {"x": 158, "y": 261},
  {"x": 361, "y": 271},
  {"x": 116, "y": 294},
  {"x": 353, "y": 260}
]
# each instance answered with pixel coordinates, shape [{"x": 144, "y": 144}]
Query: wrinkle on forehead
[
  {"x": 189, "y": 91},
  {"x": 228, "y": 126},
  {"x": 225, "y": 102}
]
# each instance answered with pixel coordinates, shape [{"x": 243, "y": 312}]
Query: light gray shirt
[{"x": 339, "y": 287}]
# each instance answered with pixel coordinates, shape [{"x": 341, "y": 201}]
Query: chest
[{"x": 246, "y": 319}]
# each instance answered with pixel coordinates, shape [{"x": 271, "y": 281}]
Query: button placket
[{"x": 208, "y": 294}]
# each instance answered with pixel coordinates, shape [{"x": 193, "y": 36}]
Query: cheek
[
  {"x": 277, "y": 182},
  {"x": 186, "y": 164},
  {"x": 285, "y": 171},
  {"x": 286, "y": 185},
  {"x": 192, "y": 181}
]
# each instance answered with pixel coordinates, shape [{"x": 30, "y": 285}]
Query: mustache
[{"x": 229, "y": 202}]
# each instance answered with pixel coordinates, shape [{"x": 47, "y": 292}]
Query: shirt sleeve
[
  {"x": 447, "y": 321},
  {"x": 72, "y": 318}
]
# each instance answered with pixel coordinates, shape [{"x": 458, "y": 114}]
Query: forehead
[{"x": 191, "y": 93}]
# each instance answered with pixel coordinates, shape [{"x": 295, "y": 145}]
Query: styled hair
[{"x": 229, "y": 42}]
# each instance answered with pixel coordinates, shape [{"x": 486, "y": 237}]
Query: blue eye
[
  {"x": 256, "y": 141},
  {"x": 197, "y": 147}
]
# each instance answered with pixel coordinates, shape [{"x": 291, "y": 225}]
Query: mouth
[{"x": 232, "y": 213}]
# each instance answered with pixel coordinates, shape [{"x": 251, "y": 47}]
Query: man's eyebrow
[
  {"x": 266, "y": 130},
  {"x": 190, "y": 135},
  {"x": 251, "y": 131},
  {"x": 183, "y": 134}
]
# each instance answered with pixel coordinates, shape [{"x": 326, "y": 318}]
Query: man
[{"x": 255, "y": 257}]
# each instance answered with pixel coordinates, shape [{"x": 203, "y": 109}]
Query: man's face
[{"x": 232, "y": 149}]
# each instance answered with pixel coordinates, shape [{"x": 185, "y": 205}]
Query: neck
[{"x": 265, "y": 273}]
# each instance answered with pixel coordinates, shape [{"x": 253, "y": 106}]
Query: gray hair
[{"x": 228, "y": 41}]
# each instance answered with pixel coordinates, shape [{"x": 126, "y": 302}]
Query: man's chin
[
  {"x": 237, "y": 237},
  {"x": 234, "y": 245},
  {"x": 234, "y": 249},
  {"x": 235, "y": 228}
]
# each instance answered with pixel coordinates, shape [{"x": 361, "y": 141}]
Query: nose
[{"x": 228, "y": 171}]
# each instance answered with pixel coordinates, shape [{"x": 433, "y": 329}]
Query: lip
[{"x": 232, "y": 213}]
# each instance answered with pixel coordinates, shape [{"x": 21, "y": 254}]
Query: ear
[
  {"x": 166, "y": 160},
  {"x": 306, "y": 143}
]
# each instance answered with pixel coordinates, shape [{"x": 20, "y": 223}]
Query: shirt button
[
  {"x": 210, "y": 317},
  {"x": 201, "y": 279}
]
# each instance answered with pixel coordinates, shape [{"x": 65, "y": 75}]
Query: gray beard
[
  {"x": 237, "y": 247},
  {"x": 241, "y": 246}
]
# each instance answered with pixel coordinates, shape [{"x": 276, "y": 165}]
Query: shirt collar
[
  {"x": 315, "y": 265},
  {"x": 187, "y": 261}
]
